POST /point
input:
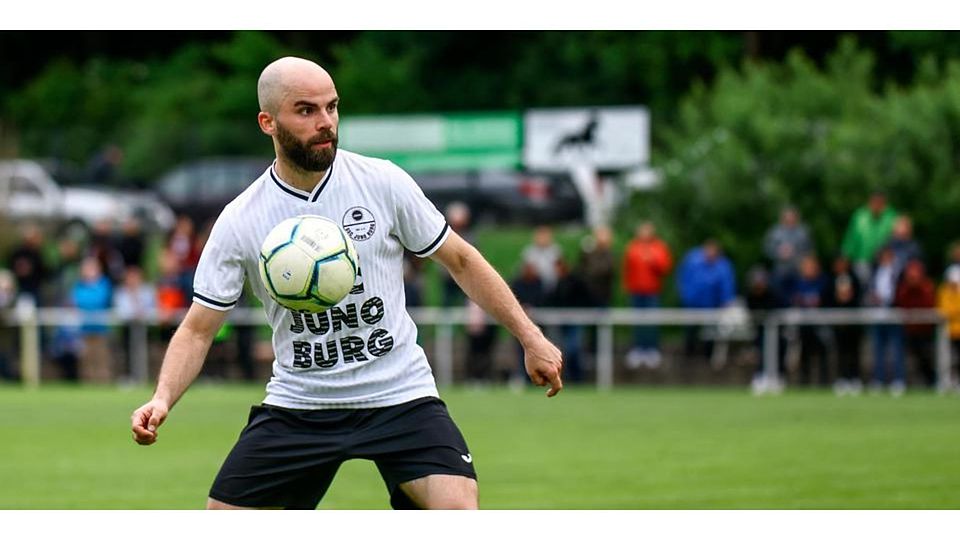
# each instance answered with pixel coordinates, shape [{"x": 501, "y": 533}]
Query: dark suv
[
  {"x": 506, "y": 195},
  {"x": 200, "y": 189}
]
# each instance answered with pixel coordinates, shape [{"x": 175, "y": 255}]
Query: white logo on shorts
[{"x": 468, "y": 458}]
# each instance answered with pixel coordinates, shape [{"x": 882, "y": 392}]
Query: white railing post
[
  {"x": 444, "y": 348},
  {"x": 26, "y": 310},
  {"x": 139, "y": 351},
  {"x": 604, "y": 355},
  {"x": 943, "y": 357},
  {"x": 771, "y": 350}
]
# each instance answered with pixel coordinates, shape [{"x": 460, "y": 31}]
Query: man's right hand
[{"x": 147, "y": 419}]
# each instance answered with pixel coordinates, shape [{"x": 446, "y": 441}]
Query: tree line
[{"x": 743, "y": 122}]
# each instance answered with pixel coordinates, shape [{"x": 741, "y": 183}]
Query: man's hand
[
  {"x": 147, "y": 419},
  {"x": 485, "y": 287},
  {"x": 544, "y": 363},
  {"x": 181, "y": 365}
]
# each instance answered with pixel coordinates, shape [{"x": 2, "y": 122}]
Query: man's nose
[{"x": 324, "y": 122}]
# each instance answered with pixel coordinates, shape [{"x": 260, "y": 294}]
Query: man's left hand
[{"x": 544, "y": 364}]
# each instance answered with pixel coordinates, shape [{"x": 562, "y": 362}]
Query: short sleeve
[
  {"x": 218, "y": 281},
  {"x": 419, "y": 226}
]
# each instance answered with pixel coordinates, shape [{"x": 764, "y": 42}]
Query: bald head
[{"x": 285, "y": 76}]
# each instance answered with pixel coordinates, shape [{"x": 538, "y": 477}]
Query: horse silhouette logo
[{"x": 582, "y": 138}]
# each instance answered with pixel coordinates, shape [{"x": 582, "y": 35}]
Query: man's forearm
[
  {"x": 181, "y": 364},
  {"x": 542, "y": 360},
  {"x": 484, "y": 286}
]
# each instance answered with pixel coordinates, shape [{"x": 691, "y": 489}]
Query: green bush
[{"x": 767, "y": 135}]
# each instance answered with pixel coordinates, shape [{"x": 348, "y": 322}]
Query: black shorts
[{"x": 287, "y": 458}]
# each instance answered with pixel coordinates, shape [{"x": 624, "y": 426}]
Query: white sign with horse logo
[{"x": 606, "y": 138}]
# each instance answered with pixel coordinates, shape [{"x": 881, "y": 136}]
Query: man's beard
[{"x": 301, "y": 155}]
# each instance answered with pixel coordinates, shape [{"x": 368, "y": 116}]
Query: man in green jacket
[{"x": 868, "y": 231}]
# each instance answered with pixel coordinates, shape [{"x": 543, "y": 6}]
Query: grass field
[{"x": 633, "y": 448}]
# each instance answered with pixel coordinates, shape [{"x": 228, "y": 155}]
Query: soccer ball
[{"x": 307, "y": 264}]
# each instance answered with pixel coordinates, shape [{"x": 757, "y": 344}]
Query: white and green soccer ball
[{"x": 308, "y": 264}]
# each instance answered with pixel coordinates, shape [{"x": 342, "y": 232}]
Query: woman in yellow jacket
[{"x": 948, "y": 302}]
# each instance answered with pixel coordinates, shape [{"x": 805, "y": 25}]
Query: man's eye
[{"x": 305, "y": 111}]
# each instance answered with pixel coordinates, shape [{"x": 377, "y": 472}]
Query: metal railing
[
  {"x": 31, "y": 319},
  {"x": 863, "y": 317}
]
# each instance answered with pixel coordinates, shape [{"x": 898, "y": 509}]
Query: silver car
[{"x": 29, "y": 193}]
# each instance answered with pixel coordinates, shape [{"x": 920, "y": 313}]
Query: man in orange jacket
[{"x": 646, "y": 262}]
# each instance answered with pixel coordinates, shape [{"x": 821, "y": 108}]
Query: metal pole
[
  {"x": 604, "y": 356},
  {"x": 444, "y": 347},
  {"x": 29, "y": 341},
  {"x": 771, "y": 345},
  {"x": 138, "y": 352},
  {"x": 943, "y": 357}
]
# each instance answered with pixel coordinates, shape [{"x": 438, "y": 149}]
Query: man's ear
[{"x": 266, "y": 122}]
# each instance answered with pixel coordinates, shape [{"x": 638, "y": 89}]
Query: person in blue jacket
[
  {"x": 706, "y": 281},
  {"x": 93, "y": 294}
]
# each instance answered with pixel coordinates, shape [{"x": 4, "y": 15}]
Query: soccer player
[{"x": 350, "y": 382}]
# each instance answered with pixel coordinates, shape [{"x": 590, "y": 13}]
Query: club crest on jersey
[{"x": 359, "y": 224}]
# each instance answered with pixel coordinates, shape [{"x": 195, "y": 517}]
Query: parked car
[
  {"x": 29, "y": 193},
  {"x": 200, "y": 189},
  {"x": 506, "y": 195}
]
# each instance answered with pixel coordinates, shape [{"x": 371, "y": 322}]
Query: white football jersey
[{"x": 363, "y": 352}]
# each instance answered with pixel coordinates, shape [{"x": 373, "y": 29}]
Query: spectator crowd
[
  {"x": 106, "y": 269},
  {"x": 880, "y": 264}
]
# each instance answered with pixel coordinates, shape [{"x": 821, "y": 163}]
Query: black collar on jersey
[{"x": 286, "y": 189}]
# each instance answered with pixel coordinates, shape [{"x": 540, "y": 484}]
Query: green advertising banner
[{"x": 456, "y": 141}]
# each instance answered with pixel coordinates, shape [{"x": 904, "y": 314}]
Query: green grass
[{"x": 633, "y": 448}]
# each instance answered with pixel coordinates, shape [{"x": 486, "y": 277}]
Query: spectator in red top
[
  {"x": 646, "y": 262},
  {"x": 917, "y": 291},
  {"x": 170, "y": 297},
  {"x": 183, "y": 246}
]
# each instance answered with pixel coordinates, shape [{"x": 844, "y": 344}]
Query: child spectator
[
  {"x": 916, "y": 291},
  {"x": 886, "y": 337},
  {"x": 93, "y": 294},
  {"x": 843, "y": 291},
  {"x": 808, "y": 292}
]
